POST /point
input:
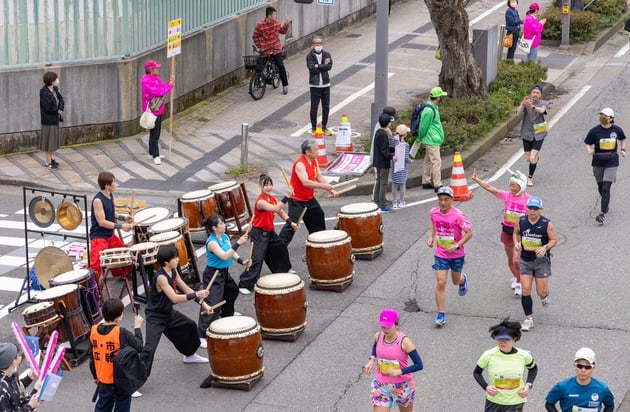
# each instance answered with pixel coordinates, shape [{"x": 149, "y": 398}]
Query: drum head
[
  {"x": 232, "y": 325},
  {"x": 327, "y": 236},
  {"x": 222, "y": 187},
  {"x": 168, "y": 225},
  {"x": 74, "y": 276},
  {"x": 117, "y": 251},
  {"x": 359, "y": 208},
  {"x": 151, "y": 215},
  {"x": 197, "y": 195},
  {"x": 141, "y": 247},
  {"x": 279, "y": 281},
  {"x": 50, "y": 262},
  {"x": 38, "y": 307},
  {"x": 166, "y": 238},
  {"x": 56, "y": 292}
]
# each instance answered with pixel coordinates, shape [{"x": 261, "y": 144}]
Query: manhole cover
[
  {"x": 353, "y": 35},
  {"x": 274, "y": 124},
  {"x": 410, "y": 93}
]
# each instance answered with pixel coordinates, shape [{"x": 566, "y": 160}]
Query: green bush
[
  {"x": 608, "y": 11},
  {"x": 584, "y": 25}
]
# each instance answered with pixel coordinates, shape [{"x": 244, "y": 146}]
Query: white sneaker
[
  {"x": 194, "y": 358},
  {"x": 203, "y": 343},
  {"x": 151, "y": 157},
  {"x": 518, "y": 290},
  {"x": 237, "y": 314},
  {"x": 545, "y": 301},
  {"x": 514, "y": 283},
  {"x": 157, "y": 160},
  {"x": 245, "y": 291},
  {"x": 527, "y": 324},
  {"x": 136, "y": 394},
  {"x": 292, "y": 271}
]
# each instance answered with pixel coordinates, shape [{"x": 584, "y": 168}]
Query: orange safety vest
[{"x": 103, "y": 349}]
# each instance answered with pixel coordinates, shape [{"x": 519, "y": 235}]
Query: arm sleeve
[
  {"x": 62, "y": 105},
  {"x": 608, "y": 408},
  {"x": 374, "y": 349},
  {"x": 549, "y": 407},
  {"x": 477, "y": 374},
  {"x": 531, "y": 374},
  {"x": 417, "y": 363}
]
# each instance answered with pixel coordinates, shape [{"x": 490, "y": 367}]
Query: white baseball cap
[
  {"x": 585, "y": 353},
  {"x": 607, "y": 111}
]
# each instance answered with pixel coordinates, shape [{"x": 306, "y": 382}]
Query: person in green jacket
[{"x": 432, "y": 134}]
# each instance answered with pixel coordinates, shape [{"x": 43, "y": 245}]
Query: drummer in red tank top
[{"x": 305, "y": 178}]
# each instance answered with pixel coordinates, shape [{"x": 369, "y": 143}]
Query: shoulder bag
[
  {"x": 508, "y": 40},
  {"x": 147, "y": 120},
  {"x": 526, "y": 45}
]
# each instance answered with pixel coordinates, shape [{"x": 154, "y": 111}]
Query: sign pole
[
  {"x": 170, "y": 123},
  {"x": 173, "y": 48}
]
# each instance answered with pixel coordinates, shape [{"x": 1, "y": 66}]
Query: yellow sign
[
  {"x": 565, "y": 9},
  {"x": 174, "y": 43}
]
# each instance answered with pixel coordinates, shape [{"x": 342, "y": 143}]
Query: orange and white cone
[
  {"x": 343, "y": 143},
  {"x": 322, "y": 158},
  {"x": 458, "y": 181}
]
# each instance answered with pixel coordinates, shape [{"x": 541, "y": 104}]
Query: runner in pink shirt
[
  {"x": 450, "y": 230},
  {"x": 515, "y": 206}
]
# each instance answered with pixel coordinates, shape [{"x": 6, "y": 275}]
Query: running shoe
[
  {"x": 401, "y": 204},
  {"x": 54, "y": 162},
  {"x": 157, "y": 160},
  {"x": 545, "y": 301},
  {"x": 386, "y": 209},
  {"x": 530, "y": 182},
  {"x": 327, "y": 132},
  {"x": 518, "y": 290},
  {"x": 245, "y": 291},
  {"x": 194, "y": 358},
  {"x": 463, "y": 287},
  {"x": 136, "y": 394},
  {"x": 527, "y": 324},
  {"x": 440, "y": 319},
  {"x": 203, "y": 343},
  {"x": 514, "y": 283},
  {"x": 285, "y": 90},
  {"x": 396, "y": 205},
  {"x": 51, "y": 166},
  {"x": 601, "y": 218}
]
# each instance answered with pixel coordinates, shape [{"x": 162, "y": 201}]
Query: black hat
[{"x": 391, "y": 111}]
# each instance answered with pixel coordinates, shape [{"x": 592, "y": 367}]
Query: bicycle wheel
[
  {"x": 257, "y": 86},
  {"x": 273, "y": 74}
]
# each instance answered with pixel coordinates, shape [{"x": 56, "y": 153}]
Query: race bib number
[
  {"x": 507, "y": 382},
  {"x": 531, "y": 243},
  {"x": 512, "y": 216},
  {"x": 445, "y": 241},
  {"x": 607, "y": 144}
]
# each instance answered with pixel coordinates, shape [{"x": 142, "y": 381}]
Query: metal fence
[{"x": 54, "y": 31}]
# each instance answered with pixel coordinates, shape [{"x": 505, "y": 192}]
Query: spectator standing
[
  {"x": 432, "y": 134},
  {"x": 450, "y": 230},
  {"x": 534, "y": 236},
  {"x": 319, "y": 62},
  {"x": 601, "y": 143},
  {"x": 532, "y": 29},
  {"x": 393, "y": 383},
  {"x": 51, "y": 107},
  {"x": 399, "y": 177},
  {"x": 581, "y": 392},
  {"x": 106, "y": 339},
  {"x": 267, "y": 38},
  {"x": 12, "y": 395},
  {"x": 152, "y": 87},
  {"x": 383, "y": 155},
  {"x": 534, "y": 128},
  {"x": 512, "y": 26},
  {"x": 392, "y": 112},
  {"x": 505, "y": 389}
]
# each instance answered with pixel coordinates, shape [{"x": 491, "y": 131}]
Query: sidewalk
[{"x": 206, "y": 137}]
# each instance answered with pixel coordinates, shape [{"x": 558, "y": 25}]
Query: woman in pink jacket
[
  {"x": 533, "y": 28},
  {"x": 152, "y": 87}
]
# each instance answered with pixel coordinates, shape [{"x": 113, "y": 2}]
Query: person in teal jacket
[{"x": 432, "y": 134}]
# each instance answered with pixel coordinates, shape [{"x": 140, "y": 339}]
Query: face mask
[
  {"x": 318, "y": 49},
  {"x": 513, "y": 5},
  {"x": 56, "y": 82},
  {"x": 604, "y": 120}
]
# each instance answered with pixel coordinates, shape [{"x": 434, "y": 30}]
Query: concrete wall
[{"x": 103, "y": 98}]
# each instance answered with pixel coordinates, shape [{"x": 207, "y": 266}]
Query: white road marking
[
  {"x": 624, "y": 50},
  {"x": 486, "y": 13}
]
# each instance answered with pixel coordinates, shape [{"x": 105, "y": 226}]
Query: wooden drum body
[
  {"x": 235, "y": 352},
  {"x": 147, "y": 218},
  {"x": 364, "y": 225},
  {"x": 144, "y": 253},
  {"x": 175, "y": 239},
  {"x": 67, "y": 303},
  {"x": 329, "y": 259},
  {"x": 230, "y": 199},
  {"x": 281, "y": 306},
  {"x": 39, "y": 313},
  {"x": 116, "y": 257},
  {"x": 196, "y": 207},
  {"x": 85, "y": 279}
]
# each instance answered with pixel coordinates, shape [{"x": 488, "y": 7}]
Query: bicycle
[{"x": 260, "y": 79}]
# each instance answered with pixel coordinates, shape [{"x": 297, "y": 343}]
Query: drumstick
[
  {"x": 284, "y": 174},
  {"x": 249, "y": 259},
  {"x": 216, "y": 272},
  {"x": 301, "y": 216},
  {"x": 344, "y": 190},
  {"x": 347, "y": 182},
  {"x": 144, "y": 220},
  {"x": 133, "y": 200},
  {"x": 218, "y": 305}
]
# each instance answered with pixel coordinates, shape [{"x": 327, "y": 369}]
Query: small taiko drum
[
  {"x": 145, "y": 218},
  {"x": 39, "y": 313},
  {"x": 197, "y": 206},
  {"x": 230, "y": 199},
  {"x": 116, "y": 257},
  {"x": 235, "y": 350},
  {"x": 174, "y": 224},
  {"x": 364, "y": 225},
  {"x": 144, "y": 253},
  {"x": 88, "y": 286},
  {"x": 280, "y": 301},
  {"x": 176, "y": 239},
  {"x": 329, "y": 259},
  {"x": 67, "y": 303}
]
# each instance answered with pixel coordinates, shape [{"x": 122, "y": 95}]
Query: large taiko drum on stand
[
  {"x": 329, "y": 260},
  {"x": 364, "y": 225},
  {"x": 178, "y": 225},
  {"x": 230, "y": 199},
  {"x": 85, "y": 279},
  {"x": 67, "y": 303},
  {"x": 280, "y": 301},
  {"x": 197, "y": 206},
  {"x": 146, "y": 218},
  {"x": 176, "y": 239},
  {"x": 235, "y": 352}
]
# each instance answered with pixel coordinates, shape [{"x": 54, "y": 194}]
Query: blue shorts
[
  {"x": 454, "y": 264},
  {"x": 386, "y": 394}
]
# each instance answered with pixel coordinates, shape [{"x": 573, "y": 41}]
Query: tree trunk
[{"x": 460, "y": 75}]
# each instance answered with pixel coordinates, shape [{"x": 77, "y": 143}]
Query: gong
[
  {"x": 50, "y": 262},
  {"x": 41, "y": 211},
  {"x": 69, "y": 215}
]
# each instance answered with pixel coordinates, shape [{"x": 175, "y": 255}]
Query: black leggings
[{"x": 604, "y": 192}]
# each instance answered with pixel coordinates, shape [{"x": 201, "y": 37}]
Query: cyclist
[{"x": 267, "y": 38}]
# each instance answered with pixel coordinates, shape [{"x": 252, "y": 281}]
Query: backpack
[
  {"x": 415, "y": 117},
  {"x": 626, "y": 27},
  {"x": 129, "y": 371}
]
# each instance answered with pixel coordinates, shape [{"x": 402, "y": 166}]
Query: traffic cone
[
  {"x": 343, "y": 143},
  {"x": 458, "y": 181},
  {"x": 322, "y": 158}
]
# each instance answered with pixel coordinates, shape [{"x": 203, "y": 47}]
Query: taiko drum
[
  {"x": 364, "y": 225},
  {"x": 329, "y": 257},
  {"x": 65, "y": 298},
  {"x": 196, "y": 207},
  {"x": 230, "y": 199},
  {"x": 280, "y": 301}
]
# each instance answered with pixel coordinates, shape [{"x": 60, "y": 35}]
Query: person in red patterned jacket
[{"x": 267, "y": 38}]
